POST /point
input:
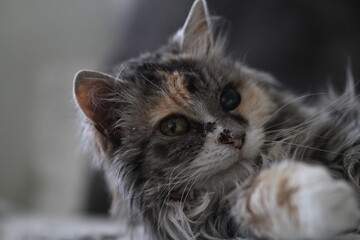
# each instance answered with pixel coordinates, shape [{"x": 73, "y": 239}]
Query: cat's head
[{"x": 183, "y": 114}]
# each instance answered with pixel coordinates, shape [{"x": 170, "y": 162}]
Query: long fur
[{"x": 192, "y": 187}]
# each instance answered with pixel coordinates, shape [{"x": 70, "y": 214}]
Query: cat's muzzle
[{"x": 236, "y": 140}]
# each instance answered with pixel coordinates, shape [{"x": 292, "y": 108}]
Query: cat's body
[{"x": 197, "y": 146}]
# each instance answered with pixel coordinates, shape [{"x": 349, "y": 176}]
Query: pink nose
[{"x": 226, "y": 137}]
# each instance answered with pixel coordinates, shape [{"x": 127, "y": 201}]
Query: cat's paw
[
  {"x": 299, "y": 201},
  {"x": 326, "y": 207}
]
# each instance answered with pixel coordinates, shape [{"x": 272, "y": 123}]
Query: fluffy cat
[{"x": 198, "y": 146}]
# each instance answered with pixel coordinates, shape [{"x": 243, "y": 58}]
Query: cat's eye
[
  {"x": 230, "y": 99},
  {"x": 174, "y": 126}
]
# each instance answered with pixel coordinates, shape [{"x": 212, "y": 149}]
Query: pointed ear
[
  {"x": 96, "y": 96},
  {"x": 196, "y": 36}
]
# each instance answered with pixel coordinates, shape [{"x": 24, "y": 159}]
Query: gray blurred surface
[
  {"x": 43, "y": 43},
  {"x": 40, "y": 227}
]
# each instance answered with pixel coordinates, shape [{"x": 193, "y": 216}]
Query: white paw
[
  {"x": 326, "y": 207},
  {"x": 298, "y": 201}
]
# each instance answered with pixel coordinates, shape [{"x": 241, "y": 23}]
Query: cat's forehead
[
  {"x": 182, "y": 96},
  {"x": 171, "y": 72},
  {"x": 174, "y": 85}
]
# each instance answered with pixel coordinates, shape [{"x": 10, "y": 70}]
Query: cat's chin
[
  {"x": 230, "y": 172},
  {"x": 237, "y": 165}
]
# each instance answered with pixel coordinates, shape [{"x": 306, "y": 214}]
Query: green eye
[
  {"x": 174, "y": 126},
  {"x": 230, "y": 99}
]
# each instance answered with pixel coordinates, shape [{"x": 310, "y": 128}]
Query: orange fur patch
[
  {"x": 255, "y": 105},
  {"x": 176, "y": 102},
  {"x": 257, "y": 201},
  {"x": 284, "y": 196},
  {"x": 176, "y": 84},
  {"x": 165, "y": 106},
  {"x": 258, "y": 221}
]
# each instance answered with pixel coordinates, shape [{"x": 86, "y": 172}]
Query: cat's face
[{"x": 179, "y": 115}]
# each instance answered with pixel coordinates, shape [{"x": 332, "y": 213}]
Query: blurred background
[{"x": 43, "y": 43}]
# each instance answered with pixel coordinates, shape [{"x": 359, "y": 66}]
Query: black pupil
[
  {"x": 230, "y": 99},
  {"x": 172, "y": 126}
]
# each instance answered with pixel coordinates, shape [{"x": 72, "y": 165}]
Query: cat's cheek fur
[
  {"x": 255, "y": 106},
  {"x": 253, "y": 142},
  {"x": 297, "y": 201}
]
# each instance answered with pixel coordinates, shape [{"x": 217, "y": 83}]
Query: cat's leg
[{"x": 296, "y": 201}]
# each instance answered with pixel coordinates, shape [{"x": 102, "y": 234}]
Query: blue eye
[{"x": 230, "y": 99}]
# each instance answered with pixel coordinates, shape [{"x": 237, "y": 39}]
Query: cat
[{"x": 196, "y": 145}]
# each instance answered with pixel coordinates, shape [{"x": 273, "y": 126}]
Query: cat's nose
[{"x": 227, "y": 137}]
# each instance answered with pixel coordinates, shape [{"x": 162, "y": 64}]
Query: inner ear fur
[
  {"x": 96, "y": 95},
  {"x": 196, "y": 35}
]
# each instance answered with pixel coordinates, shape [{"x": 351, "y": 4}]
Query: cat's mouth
[
  {"x": 236, "y": 143},
  {"x": 229, "y": 170},
  {"x": 241, "y": 156},
  {"x": 235, "y": 156},
  {"x": 228, "y": 159}
]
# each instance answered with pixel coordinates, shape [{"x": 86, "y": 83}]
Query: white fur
[
  {"x": 326, "y": 206},
  {"x": 217, "y": 160},
  {"x": 322, "y": 207}
]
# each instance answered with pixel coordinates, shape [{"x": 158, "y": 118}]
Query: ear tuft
[{"x": 196, "y": 35}]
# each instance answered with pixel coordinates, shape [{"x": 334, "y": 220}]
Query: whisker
[{"x": 288, "y": 103}]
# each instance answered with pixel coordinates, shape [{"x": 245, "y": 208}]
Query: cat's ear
[
  {"x": 196, "y": 36},
  {"x": 96, "y": 96}
]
